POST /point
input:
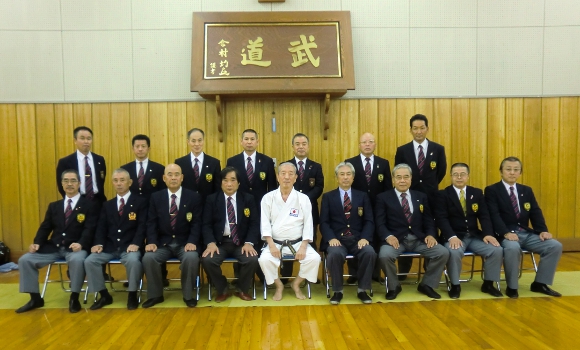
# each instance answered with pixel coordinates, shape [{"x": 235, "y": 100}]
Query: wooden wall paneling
[
  {"x": 496, "y": 137},
  {"x": 263, "y": 114},
  {"x": 567, "y": 172},
  {"x": 121, "y": 137},
  {"x": 514, "y": 123},
  {"x": 425, "y": 106},
  {"x": 460, "y": 136},
  {"x": 214, "y": 147},
  {"x": 405, "y": 110},
  {"x": 64, "y": 126},
  {"x": 10, "y": 181},
  {"x": 331, "y": 153},
  {"x": 139, "y": 117},
  {"x": 477, "y": 139},
  {"x": 45, "y": 150},
  {"x": 159, "y": 131},
  {"x": 176, "y": 124},
  {"x": 289, "y": 121},
  {"x": 234, "y": 111},
  {"x": 311, "y": 114},
  {"x": 387, "y": 126},
  {"x": 442, "y": 121},
  {"x": 82, "y": 115},
  {"x": 103, "y": 143},
  {"x": 369, "y": 118},
  {"x": 577, "y": 201},
  {"x": 349, "y": 126},
  {"x": 550, "y": 160},
  {"x": 532, "y": 139},
  {"x": 255, "y": 117}
]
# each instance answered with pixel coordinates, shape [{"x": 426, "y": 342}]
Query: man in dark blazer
[
  {"x": 90, "y": 166},
  {"x": 512, "y": 208},
  {"x": 120, "y": 234},
  {"x": 231, "y": 226},
  {"x": 65, "y": 233},
  {"x": 347, "y": 227},
  {"x": 146, "y": 175},
  {"x": 200, "y": 171},
  {"x": 404, "y": 224},
  {"x": 457, "y": 210},
  {"x": 173, "y": 230}
]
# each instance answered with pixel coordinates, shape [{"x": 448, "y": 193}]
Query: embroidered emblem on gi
[{"x": 294, "y": 212}]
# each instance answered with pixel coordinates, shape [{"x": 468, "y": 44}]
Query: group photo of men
[{"x": 269, "y": 219}]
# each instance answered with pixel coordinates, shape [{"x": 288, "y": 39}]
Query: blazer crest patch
[
  {"x": 475, "y": 207},
  {"x": 189, "y": 216},
  {"x": 132, "y": 216},
  {"x": 433, "y": 164},
  {"x": 81, "y": 217},
  {"x": 153, "y": 182},
  {"x": 311, "y": 181},
  {"x": 102, "y": 174},
  {"x": 208, "y": 177},
  {"x": 381, "y": 177},
  {"x": 247, "y": 212},
  {"x": 421, "y": 208},
  {"x": 262, "y": 175},
  {"x": 360, "y": 211},
  {"x": 527, "y": 206}
]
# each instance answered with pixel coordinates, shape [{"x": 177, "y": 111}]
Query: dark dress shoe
[
  {"x": 489, "y": 288},
  {"x": 74, "y": 306},
  {"x": 428, "y": 291},
  {"x": 108, "y": 300},
  {"x": 336, "y": 298},
  {"x": 222, "y": 297},
  {"x": 153, "y": 301},
  {"x": 364, "y": 297},
  {"x": 191, "y": 302},
  {"x": 351, "y": 280},
  {"x": 132, "y": 303},
  {"x": 455, "y": 291},
  {"x": 511, "y": 293},
  {"x": 243, "y": 296},
  {"x": 165, "y": 283},
  {"x": 30, "y": 305},
  {"x": 542, "y": 288},
  {"x": 392, "y": 294}
]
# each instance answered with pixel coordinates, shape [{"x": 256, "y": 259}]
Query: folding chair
[
  {"x": 110, "y": 282},
  {"x": 61, "y": 280},
  {"x": 197, "y": 280},
  {"x": 292, "y": 259},
  {"x": 327, "y": 275},
  {"x": 419, "y": 268},
  {"x": 230, "y": 261}
]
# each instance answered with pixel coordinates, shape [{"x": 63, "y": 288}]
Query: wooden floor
[{"x": 525, "y": 323}]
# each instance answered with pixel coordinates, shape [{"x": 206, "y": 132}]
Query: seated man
[
  {"x": 72, "y": 222},
  {"x": 405, "y": 224},
  {"x": 119, "y": 235},
  {"x": 457, "y": 210},
  {"x": 512, "y": 208},
  {"x": 231, "y": 227},
  {"x": 347, "y": 227},
  {"x": 286, "y": 227},
  {"x": 173, "y": 230}
]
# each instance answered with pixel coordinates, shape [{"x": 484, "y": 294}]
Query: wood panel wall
[{"x": 543, "y": 132}]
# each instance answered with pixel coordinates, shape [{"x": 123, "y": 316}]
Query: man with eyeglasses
[
  {"x": 458, "y": 208},
  {"x": 513, "y": 207}
]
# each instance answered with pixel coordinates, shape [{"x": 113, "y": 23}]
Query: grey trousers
[
  {"x": 29, "y": 264},
  {"x": 492, "y": 263},
  {"x": 366, "y": 258},
  {"x": 131, "y": 261}
]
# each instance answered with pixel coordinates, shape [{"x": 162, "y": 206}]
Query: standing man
[
  {"x": 404, "y": 223},
  {"x": 286, "y": 226},
  {"x": 72, "y": 222},
  {"x": 347, "y": 227},
  {"x": 513, "y": 207},
  {"x": 457, "y": 210},
  {"x": 120, "y": 234},
  {"x": 146, "y": 175},
  {"x": 200, "y": 171},
  {"x": 230, "y": 227},
  {"x": 173, "y": 230}
]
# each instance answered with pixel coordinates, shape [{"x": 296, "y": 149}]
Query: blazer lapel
[{"x": 455, "y": 199}]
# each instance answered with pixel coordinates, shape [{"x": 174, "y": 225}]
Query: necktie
[
  {"x": 173, "y": 212},
  {"x": 406, "y": 209},
  {"x": 232, "y": 222},
  {"x": 347, "y": 209},
  {"x": 421, "y": 160},
  {"x": 88, "y": 180},
  {"x": 301, "y": 170},
  {"x": 514, "y": 202},
  {"x": 121, "y": 206},
  {"x": 462, "y": 201},
  {"x": 250, "y": 169},
  {"x": 368, "y": 170},
  {"x": 196, "y": 170},
  {"x": 68, "y": 212},
  {"x": 141, "y": 175}
]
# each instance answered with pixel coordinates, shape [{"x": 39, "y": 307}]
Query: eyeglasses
[
  {"x": 369, "y": 142},
  {"x": 70, "y": 181},
  {"x": 459, "y": 174}
]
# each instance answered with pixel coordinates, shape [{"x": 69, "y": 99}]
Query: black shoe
[
  {"x": 74, "y": 306},
  {"x": 542, "y": 288},
  {"x": 132, "y": 302},
  {"x": 512, "y": 293},
  {"x": 107, "y": 300},
  {"x": 489, "y": 288},
  {"x": 152, "y": 301},
  {"x": 30, "y": 305},
  {"x": 126, "y": 284},
  {"x": 351, "y": 280},
  {"x": 455, "y": 291},
  {"x": 336, "y": 298},
  {"x": 428, "y": 291},
  {"x": 165, "y": 283},
  {"x": 364, "y": 297},
  {"x": 401, "y": 277},
  {"x": 392, "y": 294},
  {"x": 191, "y": 302}
]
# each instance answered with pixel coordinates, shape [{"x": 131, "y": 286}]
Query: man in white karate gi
[{"x": 286, "y": 226}]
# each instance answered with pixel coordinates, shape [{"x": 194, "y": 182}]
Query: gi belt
[{"x": 287, "y": 243}]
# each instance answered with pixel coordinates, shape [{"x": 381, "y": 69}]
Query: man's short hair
[
  {"x": 70, "y": 171},
  {"x": 81, "y": 128},
  {"x": 341, "y": 164},
  {"x": 194, "y": 130},
  {"x": 286, "y": 164},
  {"x": 121, "y": 171},
  {"x": 225, "y": 171},
  {"x": 459, "y": 165},
  {"x": 418, "y": 117},
  {"x": 512, "y": 159},
  {"x": 141, "y": 137},
  {"x": 250, "y": 130},
  {"x": 300, "y": 135},
  {"x": 402, "y": 166}
]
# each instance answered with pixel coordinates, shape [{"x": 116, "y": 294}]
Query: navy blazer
[
  {"x": 264, "y": 179},
  {"x": 71, "y": 162},
  {"x": 312, "y": 184},
  {"x": 153, "y": 179},
  {"x": 80, "y": 228},
  {"x": 452, "y": 221},
  {"x": 434, "y": 169},
  {"x": 188, "y": 225},
  {"x": 214, "y": 218},
  {"x": 118, "y": 232},
  {"x": 502, "y": 213},
  {"x": 209, "y": 175},
  {"x": 333, "y": 221},
  {"x": 381, "y": 180},
  {"x": 390, "y": 218}
]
